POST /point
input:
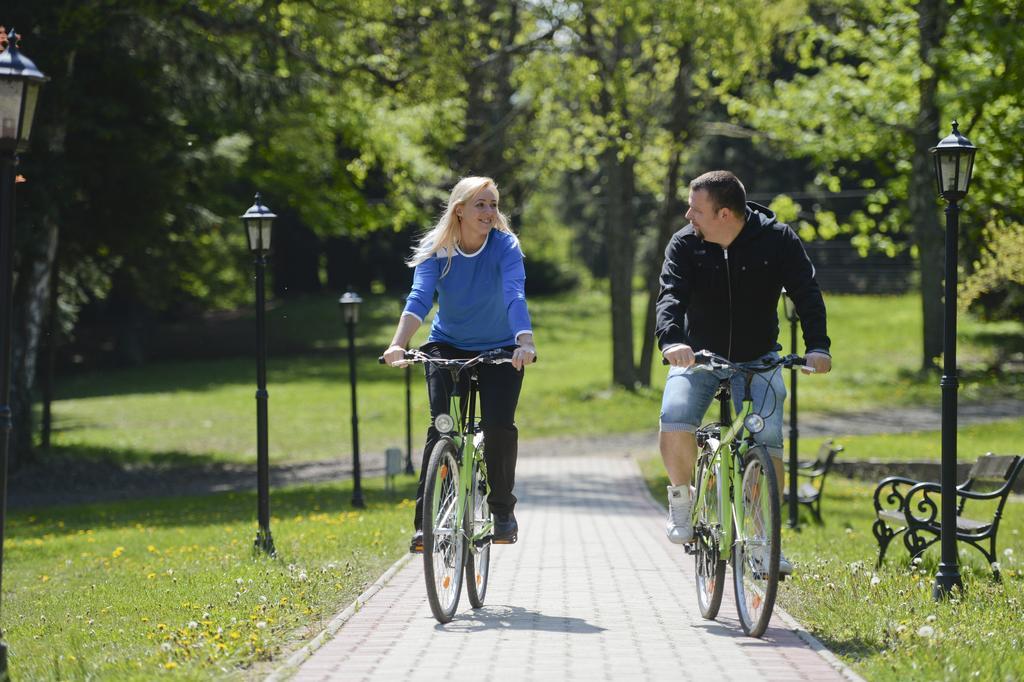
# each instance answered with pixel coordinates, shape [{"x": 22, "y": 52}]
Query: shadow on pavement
[{"x": 517, "y": 618}]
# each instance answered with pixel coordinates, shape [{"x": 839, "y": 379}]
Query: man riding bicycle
[
  {"x": 720, "y": 286},
  {"x": 472, "y": 260}
]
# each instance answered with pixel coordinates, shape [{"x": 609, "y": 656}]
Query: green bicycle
[
  {"x": 457, "y": 525},
  {"x": 736, "y": 514}
]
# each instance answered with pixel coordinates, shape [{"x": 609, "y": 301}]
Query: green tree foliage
[
  {"x": 998, "y": 274},
  {"x": 624, "y": 88},
  {"x": 874, "y": 86}
]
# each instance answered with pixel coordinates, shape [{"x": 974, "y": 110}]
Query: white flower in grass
[
  {"x": 875, "y": 580},
  {"x": 239, "y": 581},
  {"x": 930, "y": 619},
  {"x": 996, "y": 566},
  {"x": 263, "y": 600},
  {"x": 926, "y": 631},
  {"x": 166, "y": 646},
  {"x": 1008, "y": 553},
  {"x": 192, "y": 625},
  {"x": 261, "y": 624}
]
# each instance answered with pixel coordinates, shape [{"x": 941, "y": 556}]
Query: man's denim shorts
[{"x": 690, "y": 391}]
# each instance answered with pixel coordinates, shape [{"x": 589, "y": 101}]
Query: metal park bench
[
  {"x": 910, "y": 507},
  {"x": 809, "y": 491}
]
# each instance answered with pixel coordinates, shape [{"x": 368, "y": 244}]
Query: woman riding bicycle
[{"x": 473, "y": 261}]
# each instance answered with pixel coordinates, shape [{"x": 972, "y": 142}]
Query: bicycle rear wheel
[
  {"x": 707, "y": 532},
  {"x": 478, "y": 558},
  {"x": 444, "y": 549},
  {"x": 756, "y": 551}
]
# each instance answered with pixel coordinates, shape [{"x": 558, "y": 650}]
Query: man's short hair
[{"x": 724, "y": 189}]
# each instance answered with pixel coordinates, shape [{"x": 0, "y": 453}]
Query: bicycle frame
[
  {"x": 729, "y": 452},
  {"x": 467, "y": 439}
]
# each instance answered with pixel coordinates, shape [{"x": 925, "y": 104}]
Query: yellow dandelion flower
[
  {"x": 170, "y": 665},
  {"x": 151, "y": 549},
  {"x": 117, "y": 552},
  {"x": 150, "y": 576},
  {"x": 234, "y": 634},
  {"x": 43, "y": 578},
  {"x": 145, "y": 619}
]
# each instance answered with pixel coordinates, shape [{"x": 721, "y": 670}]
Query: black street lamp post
[
  {"x": 258, "y": 221},
  {"x": 794, "y": 432},
  {"x": 350, "y": 312},
  {"x": 20, "y": 82},
  {"x": 954, "y": 163},
  {"x": 408, "y": 410}
]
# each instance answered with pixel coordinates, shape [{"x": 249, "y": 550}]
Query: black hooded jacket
[{"x": 725, "y": 300}]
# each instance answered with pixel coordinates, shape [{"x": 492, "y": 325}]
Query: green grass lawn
[
  {"x": 133, "y": 590},
  {"x": 204, "y": 410},
  {"x": 884, "y": 623},
  {"x": 1003, "y": 437},
  {"x": 130, "y": 590}
]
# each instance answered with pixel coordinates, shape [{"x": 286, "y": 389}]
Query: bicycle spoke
[
  {"x": 443, "y": 541},
  {"x": 756, "y": 552}
]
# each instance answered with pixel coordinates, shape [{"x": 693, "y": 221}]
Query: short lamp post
[
  {"x": 350, "y": 313},
  {"x": 259, "y": 221},
  {"x": 794, "y": 432},
  {"x": 408, "y": 408},
  {"x": 954, "y": 163},
  {"x": 20, "y": 82}
]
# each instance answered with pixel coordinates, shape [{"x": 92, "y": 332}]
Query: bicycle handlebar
[
  {"x": 497, "y": 356},
  {"x": 716, "y": 361}
]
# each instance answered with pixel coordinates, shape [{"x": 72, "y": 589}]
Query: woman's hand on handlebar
[
  {"x": 524, "y": 354},
  {"x": 679, "y": 355},
  {"x": 394, "y": 354}
]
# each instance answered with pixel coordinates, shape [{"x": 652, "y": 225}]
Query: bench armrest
[{"x": 894, "y": 498}]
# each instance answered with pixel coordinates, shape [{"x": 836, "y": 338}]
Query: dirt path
[{"x": 66, "y": 481}]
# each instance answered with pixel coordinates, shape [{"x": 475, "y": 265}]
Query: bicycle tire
[
  {"x": 707, "y": 528},
  {"x": 444, "y": 548},
  {"x": 757, "y": 544},
  {"x": 478, "y": 559}
]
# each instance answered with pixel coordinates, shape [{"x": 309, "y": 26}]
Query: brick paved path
[{"x": 592, "y": 591}]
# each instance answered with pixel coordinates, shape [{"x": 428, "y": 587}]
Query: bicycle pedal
[
  {"x": 505, "y": 541},
  {"x": 690, "y": 547}
]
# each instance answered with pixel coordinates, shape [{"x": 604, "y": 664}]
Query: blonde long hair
[{"x": 444, "y": 235}]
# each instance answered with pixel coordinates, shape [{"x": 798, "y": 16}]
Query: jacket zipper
[{"x": 728, "y": 286}]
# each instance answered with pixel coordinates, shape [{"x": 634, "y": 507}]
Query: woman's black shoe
[
  {"x": 416, "y": 545},
  {"x": 506, "y": 530}
]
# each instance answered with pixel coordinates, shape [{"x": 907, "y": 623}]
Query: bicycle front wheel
[
  {"x": 755, "y": 554},
  {"x": 707, "y": 533},
  {"x": 444, "y": 549},
  {"x": 478, "y": 556}
]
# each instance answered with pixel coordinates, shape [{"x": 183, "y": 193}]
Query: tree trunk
[
  {"x": 31, "y": 304},
  {"x": 620, "y": 235},
  {"x": 37, "y": 247},
  {"x": 679, "y": 128},
  {"x": 933, "y": 18}
]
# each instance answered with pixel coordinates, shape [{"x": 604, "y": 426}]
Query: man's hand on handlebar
[
  {"x": 394, "y": 354},
  {"x": 820, "y": 363},
  {"x": 679, "y": 355}
]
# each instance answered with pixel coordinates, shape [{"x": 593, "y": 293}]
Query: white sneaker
[
  {"x": 759, "y": 559},
  {"x": 679, "y": 526}
]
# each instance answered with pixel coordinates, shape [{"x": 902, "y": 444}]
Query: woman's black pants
[{"x": 499, "y": 394}]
